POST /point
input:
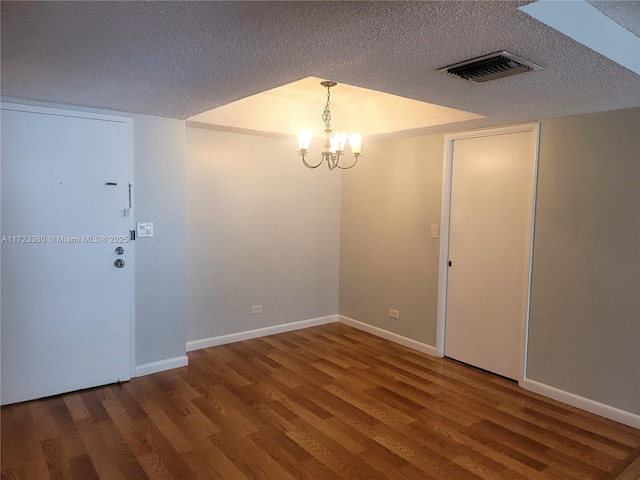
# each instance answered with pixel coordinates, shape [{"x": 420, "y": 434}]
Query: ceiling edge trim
[{"x": 242, "y": 131}]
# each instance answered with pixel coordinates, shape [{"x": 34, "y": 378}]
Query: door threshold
[{"x": 482, "y": 370}]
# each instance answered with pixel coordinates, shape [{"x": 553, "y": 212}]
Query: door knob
[{"x": 119, "y": 263}]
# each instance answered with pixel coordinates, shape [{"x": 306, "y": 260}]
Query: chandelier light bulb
[
  {"x": 304, "y": 139},
  {"x": 355, "y": 141},
  {"x": 335, "y": 144},
  {"x": 340, "y": 139}
]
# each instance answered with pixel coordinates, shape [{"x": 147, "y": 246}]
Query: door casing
[{"x": 445, "y": 232}]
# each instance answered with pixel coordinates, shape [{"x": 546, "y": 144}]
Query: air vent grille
[{"x": 490, "y": 67}]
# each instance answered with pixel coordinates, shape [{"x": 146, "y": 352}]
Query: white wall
[{"x": 262, "y": 229}]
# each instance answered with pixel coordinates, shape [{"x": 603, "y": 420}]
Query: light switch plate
[
  {"x": 434, "y": 230},
  {"x": 145, "y": 229}
]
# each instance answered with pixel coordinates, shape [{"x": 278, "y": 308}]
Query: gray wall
[
  {"x": 261, "y": 230},
  {"x": 584, "y": 334},
  {"x": 387, "y": 256},
  {"x": 159, "y": 197},
  {"x": 585, "y": 308}
]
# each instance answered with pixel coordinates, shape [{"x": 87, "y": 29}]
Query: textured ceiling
[
  {"x": 626, "y": 14},
  {"x": 179, "y": 59},
  {"x": 591, "y": 27}
]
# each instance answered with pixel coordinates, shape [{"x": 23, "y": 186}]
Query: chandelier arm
[
  {"x": 335, "y": 159},
  {"x": 350, "y": 166},
  {"x": 328, "y": 159},
  {"x": 311, "y": 166}
]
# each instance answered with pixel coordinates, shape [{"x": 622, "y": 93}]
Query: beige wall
[
  {"x": 261, "y": 230},
  {"x": 584, "y": 334},
  {"x": 387, "y": 257}
]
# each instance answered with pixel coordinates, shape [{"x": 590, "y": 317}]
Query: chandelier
[{"x": 333, "y": 144}]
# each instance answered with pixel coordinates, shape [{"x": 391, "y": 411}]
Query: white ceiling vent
[{"x": 490, "y": 67}]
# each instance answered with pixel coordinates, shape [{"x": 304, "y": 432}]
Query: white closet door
[{"x": 491, "y": 207}]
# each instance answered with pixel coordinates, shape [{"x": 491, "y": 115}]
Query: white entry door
[
  {"x": 489, "y": 247},
  {"x": 67, "y": 309}
]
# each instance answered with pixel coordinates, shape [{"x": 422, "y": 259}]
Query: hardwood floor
[{"x": 329, "y": 402}]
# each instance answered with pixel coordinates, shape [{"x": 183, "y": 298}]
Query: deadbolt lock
[
  {"x": 119, "y": 263},
  {"x": 119, "y": 250}
]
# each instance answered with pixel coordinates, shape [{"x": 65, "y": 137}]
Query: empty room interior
[{"x": 320, "y": 240}]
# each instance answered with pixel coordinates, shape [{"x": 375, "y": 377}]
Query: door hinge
[{"x": 449, "y": 263}]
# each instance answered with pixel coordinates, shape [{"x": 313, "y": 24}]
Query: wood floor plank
[
  {"x": 132, "y": 428},
  {"x": 65, "y": 428},
  {"x": 551, "y": 430},
  {"x": 82, "y": 468},
  {"x": 328, "y": 402},
  {"x": 178, "y": 440},
  {"x": 424, "y": 459},
  {"x": 629, "y": 470},
  {"x": 562, "y": 445},
  {"x": 58, "y": 464},
  {"x": 36, "y": 468},
  {"x": 371, "y": 406},
  {"x": 119, "y": 450},
  {"x": 212, "y": 464},
  {"x": 306, "y": 418},
  {"x": 102, "y": 460},
  {"x": 253, "y": 462},
  {"x": 333, "y": 456},
  {"x": 19, "y": 435}
]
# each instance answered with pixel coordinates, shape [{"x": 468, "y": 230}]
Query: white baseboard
[
  {"x": 387, "y": 335},
  {"x": 161, "y": 365},
  {"x": 583, "y": 403},
  {"x": 259, "y": 332}
]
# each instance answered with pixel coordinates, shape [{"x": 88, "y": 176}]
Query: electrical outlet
[
  {"x": 394, "y": 314},
  {"x": 256, "y": 309}
]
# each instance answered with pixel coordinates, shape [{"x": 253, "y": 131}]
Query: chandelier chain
[{"x": 326, "y": 114}]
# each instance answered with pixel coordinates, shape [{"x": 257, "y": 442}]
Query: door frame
[
  {"x": 60, "y": 110},
  {"x": 443, "y": 276}
]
